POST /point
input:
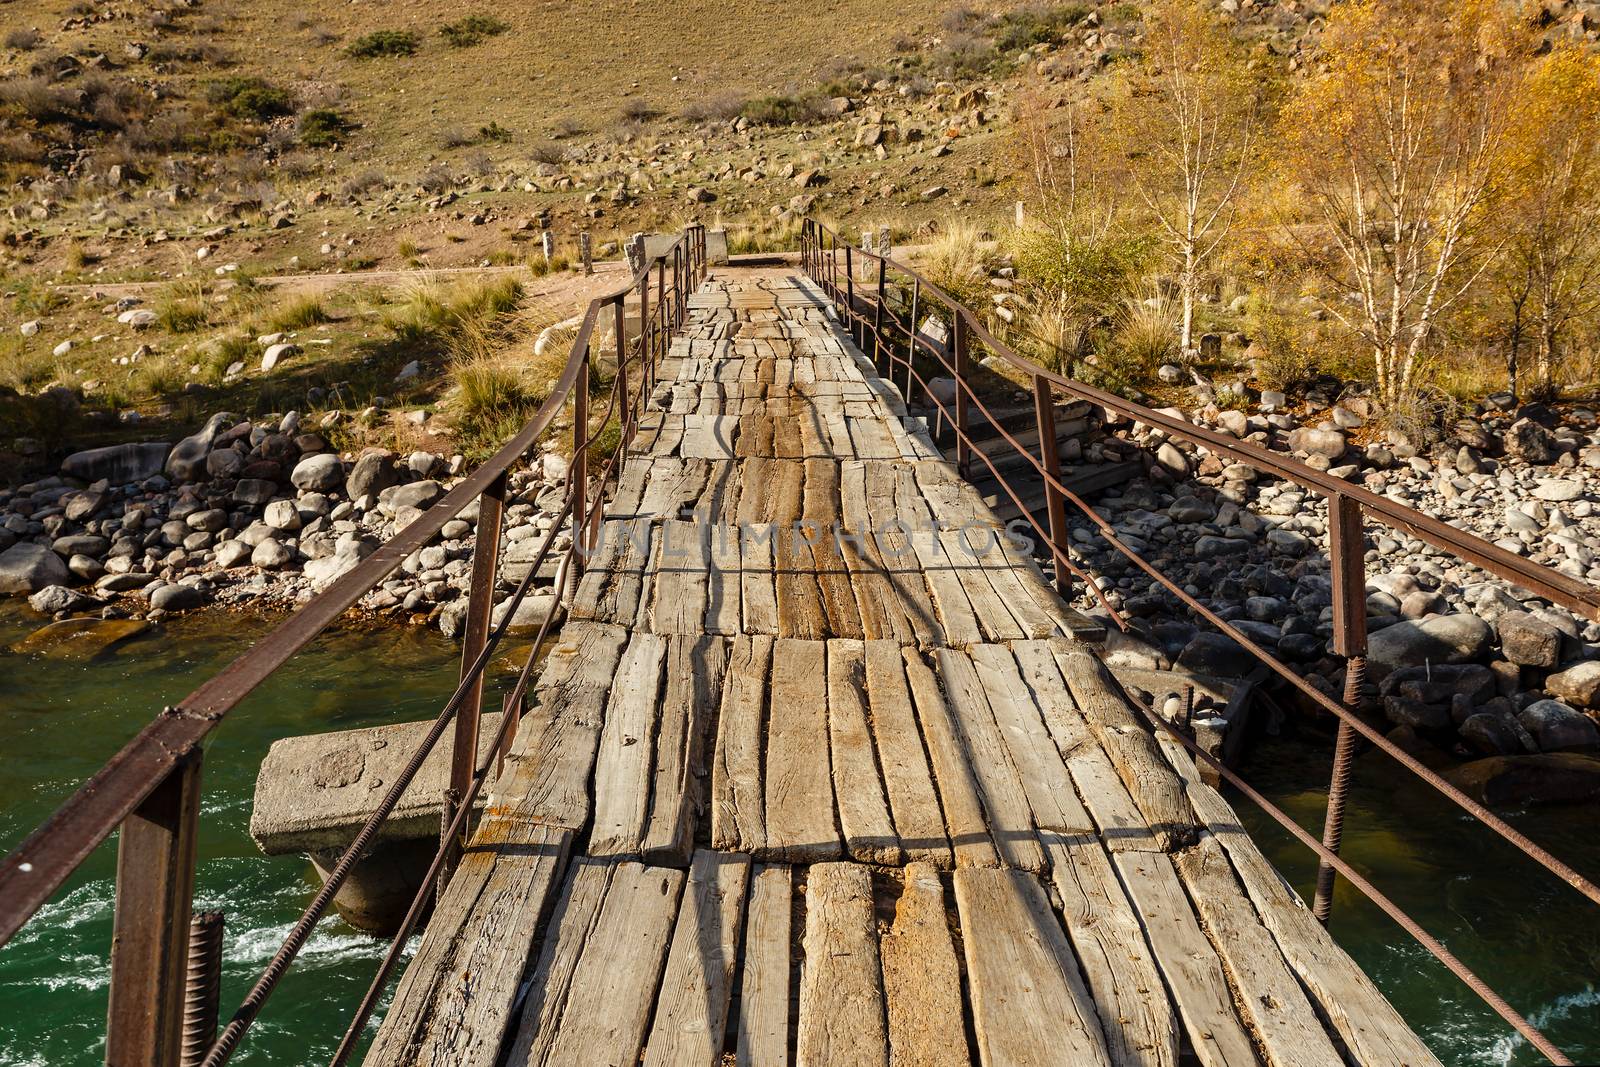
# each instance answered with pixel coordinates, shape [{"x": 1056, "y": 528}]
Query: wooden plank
[
  {"x": 1365, "y": 1021},
  {"x": 1186, "y": 959},
  {"x": 738, "y": 806},
  {"x": 619, "y": 970},
  {"x": 764, "y": 995},
  {"x": 798, "y": 778},
  {"x": 869, "y": 834},
  {"x": 1037, "y": 662},
  {"x": 758, "y": 591},
  {"x": 1029, "y": 1005},
  {"x": 1121, "y": 824},
  {"x": 1040, "y": 768},
  {"x": 614, "y": 576},
  {"x": 622, "y": 771},
  {"x": 694, "y": 668},
  {"x": 1149, "y": 780},
  {"x": 841, "y": 1022},
  {"x": 1266, "y": 991},
  {"x": 907, "y": 778},
  {"x": 546, "y": 776},
  {"x": 922, "y": 978},
  {"x": 692, "y": 1009},
  {"x": 682, "y": 563},
  {"x": 1136, "y": 1017},
  {"x": 550, "y": 987},
  {"x": 724, "y": 602},
  {"x": 1005, "y": 802},
  {"x": 673, "y": 485},
  {"x": 958, "y": 785},
  {"x": 956, "y": 615},
  {"x": 454, "y": 1003},
  {"x": 800, "y": 610}
]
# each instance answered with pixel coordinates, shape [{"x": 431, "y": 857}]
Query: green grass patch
[
  {"x": 249, "y": 98},
  {"x": 474, "y": 29},
  {"x": 323, "y": 128}
]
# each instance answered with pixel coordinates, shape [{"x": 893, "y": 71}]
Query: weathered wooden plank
[
  {"x": 1005, "y": 802},
  {"x": 618, "y": 972},
  {"x": 922, "y": 978},
  {"x": 709, "y": 436},
  {"x": 1150, "y": 781},
  {"x": 958, "y": 785},
  {"x": 622, "y": 771},
  {"x": 841, "y": 1021},
  {"x": 1122, "y": 826},
  {"x": 546, "y": 776},
  {"x": 869, "y": 834},
  {"x": 738, "y": 804},
  {"x": 683, "y": 560},
  {"x": 907, "y": 778},
  {"x": 1363, "y": 1018},
  {"x": 1037, "y": 662},
  {"x": 1029, "y": 1004},
  {"x": 1039, "y": 765},
  {"x": 724, "y": 599},
  {"x": 1186, "y": 959},
  {"x": 763, "y": 1024},
  {"x": 571, "y": 922},
  {"x": 798, "y": 779},
  {"x": 956, "y": 615},
  {"x": 800, "y": 610},
  {"x": 692, "y": 1009},
  {"x": 672, "y": 486},
  {"x": 454, "y": 1004},
  {"x": 614, "y": 576},
  {"x": 1266, "y": 991},
  {"x": 1135, "y": 1015},
  {"x": 758, "y": 590},
  {"x": 694, "y": 669}
]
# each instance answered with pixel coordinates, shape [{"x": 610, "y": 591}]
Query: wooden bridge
[
  {"x": 826, "y": 776},
  {"x": 820, "y": 770}
]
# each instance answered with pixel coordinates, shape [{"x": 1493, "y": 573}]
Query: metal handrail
[
  {"x": 151, "y": 787},
  {"x": 866, "y": 317}
]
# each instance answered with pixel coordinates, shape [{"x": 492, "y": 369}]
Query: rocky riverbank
[
  {"x": 1460, "y": 659},
  {"x": 257, "y": 513}
]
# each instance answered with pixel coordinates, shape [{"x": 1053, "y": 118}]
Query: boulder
[
  {"x": 1496, "y": 734},
  {"x": 1530, "y": 442},
  {"x": 277, "y": 353},
  {"x": 1558, "y": 490},
  {"x": 118, "y": 464},
  {"x": 55, "y": 598},
  {"x": 1329, "y": 444},
  {"x": 1516, "y": 781},
  {"x": 27, "y": 568},
  {"x": 1557, "y": 726},
  {"x": 233, "y": 554},
  {"x": 176, "y": 598},
  {"x": 318, "y": 473},
  {"x": 1216, "y": 654},
  {"x": 270, "y": 555},
  {"x": 530, "y": 614},
  {"x": 372, "y": 474},
  {"x": 254, "y": 491},
  {"x": 1527, "y": 640},
  {"x": 282, "y": 515},
  {"x": 1440, "y": 639},
  {"x": 1578, "y": 685},
  {"x": 187, "y": 460},
  {"x": 411, "y": 495}
]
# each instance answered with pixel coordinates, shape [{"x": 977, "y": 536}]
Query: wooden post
[
  {"x": 1044, "y": 413},
  {"x": 547, "y": 241},
  {"x": 647, "y": 351},
  {"x": 150, "y": 931},
  {"x": 1346, "y": 552},
  {"x": 480, "y": 615},
  {"x": 958, "y": 338},
  {"x": 877, "y": 324},
  {"x": 586, "y": 251}
]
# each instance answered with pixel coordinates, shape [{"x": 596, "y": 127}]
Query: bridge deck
[{"x": 802, "y": 799}]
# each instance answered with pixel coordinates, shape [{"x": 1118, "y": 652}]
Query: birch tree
[
  {"x": 1187, "y": 113},
  {"x": 1397, "y": 150}
]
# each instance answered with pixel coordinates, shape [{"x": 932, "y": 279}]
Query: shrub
[
  {"x": 567, "y": 127},
  {"x": 719, "y": 108},
  {"x": 249, "y": 98},
  {"x": 1146, "y": 337},
  {"x": 36, "y": 98},
  {"x": 380, "y": 43},
  {"x": 957, "y": 262},
  {"x": 471, "y": 30},
  {"x": 454, "y": 137},
  {"x": 494, "y": 132},
  {"x": 637, "y": 109},
  {"x": 323, "y": 128},
  {"x": 785, "y": 110},
  {"x": 23, "y": 40},
  {"x": 547, "y": 152}
]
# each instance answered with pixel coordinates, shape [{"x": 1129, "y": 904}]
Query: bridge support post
[
  {"x": 911, "y": 332},
  {"x": 885, "y": 366},
  {"x": 1346, "y": 551},
  {"x": 958, "y": 344},
  {"x": 480, "y": 613},
  {"x": 624, "y": 413},
  {"x": 150, "y": 931},
  {"x": 1044, "y": 413}
]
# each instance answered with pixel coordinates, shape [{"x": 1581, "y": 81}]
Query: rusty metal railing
[
  {"x": 151, "y": 788},
  {"x": 891, "y": 337}
]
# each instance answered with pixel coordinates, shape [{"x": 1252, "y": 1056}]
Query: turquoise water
[
  {"x": 59, "y": 721},
  {"x": 1535, "y": 940}
]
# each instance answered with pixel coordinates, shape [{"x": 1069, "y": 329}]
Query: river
[{"x": 1535, "y": 940}]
